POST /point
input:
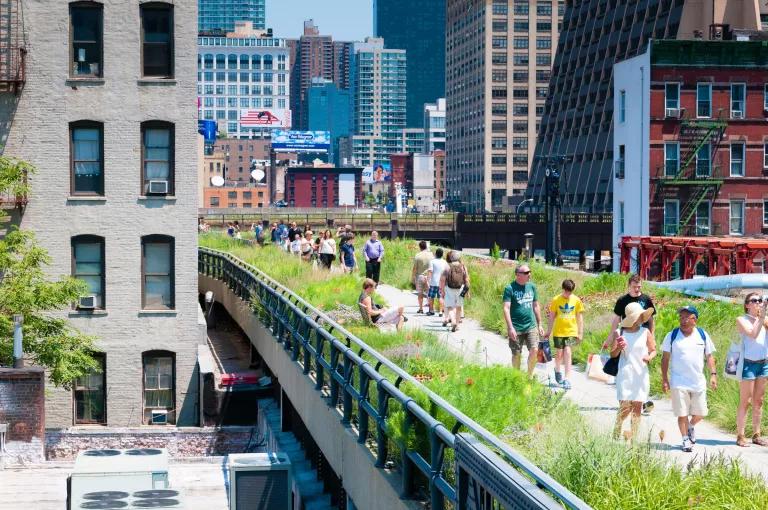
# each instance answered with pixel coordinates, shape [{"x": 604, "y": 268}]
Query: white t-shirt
[
  {"x": 437, "y": 266},
  {"x": 328, "y": 247},
  {"x": 687, "y": 359},
  {"x": 295, "y": 246}
]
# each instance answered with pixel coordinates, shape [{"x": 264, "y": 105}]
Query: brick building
[
  {"x": 236, "y": 197},
  {"x": 690, "y": 135},
  {"x": 324, "y": 187}
]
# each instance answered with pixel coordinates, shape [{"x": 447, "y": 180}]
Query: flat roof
[{"x": 698, "y": 53}]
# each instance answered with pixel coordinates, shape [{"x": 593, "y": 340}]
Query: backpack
[
  {"x": 677, "y": 330},
  {"x": 455, "y": 277}
]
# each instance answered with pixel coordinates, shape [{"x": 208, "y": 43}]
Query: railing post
[
  {"x": 436, "y": 463},
  {"x": 332, "y": 376},
  {"x": 407, "y": 467},
  {"x": 305, "y": 346},
  {"x": 362, "y": 414},
  {"x": 382, "y": 450},
  {"x": 347, "y": 396},
  {"x": 319, "y": 371}
]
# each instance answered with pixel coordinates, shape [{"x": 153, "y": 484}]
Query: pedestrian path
[{"x": 595, "y": 399}]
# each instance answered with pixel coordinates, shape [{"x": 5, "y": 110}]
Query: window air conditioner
[
  {"x": 159, "y": 417},
  {"x": 737, "y": 114},
  {"x": 259, "y": 481},
  {"x": 672, "y": 113},
  {"x": 158, "y": 187},
  {"x": 87, "y": 303}
]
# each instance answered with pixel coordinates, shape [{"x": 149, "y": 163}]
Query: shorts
[
  {"x": 754, "y": 370},
  {"x": 453, "y": 298},
  {"x": 689, "y": 403},
  {"x": 434, "y": 292},
  {"x": 561, "y": 342},
  {"x": 421, "y": 284},
  {"x": 529, "y": 339}
]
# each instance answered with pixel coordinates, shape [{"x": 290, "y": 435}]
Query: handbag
[
  {"x": 611, "y": 366},
  {"x": 595, "y": 367},
  {"x": 734, "y": 362},
  {"x": 544, "y": 353}
]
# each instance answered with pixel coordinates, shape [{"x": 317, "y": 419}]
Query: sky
[{"x": 345, "y": 20}]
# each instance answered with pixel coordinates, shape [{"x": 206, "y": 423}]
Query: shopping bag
[
  {"x": 595, "y": 364},
  {"x": 734, "y": 361},
  {"x": 544, "y": 353}
]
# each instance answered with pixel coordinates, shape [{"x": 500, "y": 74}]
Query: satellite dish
[
  {"x": 217, "y": 181},
  {"x": 258, "y": 174}
]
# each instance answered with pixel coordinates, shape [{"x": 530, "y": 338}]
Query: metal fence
[
  {"x": 360, "y": 222},
  {"x": 354, "y": 378}
]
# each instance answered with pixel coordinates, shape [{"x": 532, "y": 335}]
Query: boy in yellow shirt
[{"x": 566, "y": 325}]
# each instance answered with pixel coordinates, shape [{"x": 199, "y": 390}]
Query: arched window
[
  {"x": 221, "y": 61},
  {"x": 244, "y": 62},
  {"x": 159, "y": 384},
  {"x": 157, "y": 161},
  {"x": 256, "y": 61},
  {"x": 86, "y": 31},
  {"x": 267, "y": 61},
  {"x": 88, "y": 265},
  {"x": 157, "y": 39},
  {"x": 208, "y": 61},
  {"x": 157, "y": 272},
  {"x": 86, "y": 157},
  {"x": 232, "y": 61}
]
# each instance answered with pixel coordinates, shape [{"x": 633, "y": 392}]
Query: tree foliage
[{"x": 49, "y": 340}]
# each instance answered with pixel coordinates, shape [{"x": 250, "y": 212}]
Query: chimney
[{"x": 18, "y": 353}]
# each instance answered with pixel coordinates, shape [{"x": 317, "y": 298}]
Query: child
[{"x": 566, "y": 325}]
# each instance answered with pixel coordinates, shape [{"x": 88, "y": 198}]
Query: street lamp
[{"x": 521, "y": 203}]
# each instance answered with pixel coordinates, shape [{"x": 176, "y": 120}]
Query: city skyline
[{"x": 344, "y": 20}]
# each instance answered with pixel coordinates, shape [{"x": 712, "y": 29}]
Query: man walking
[
  {"x": 522, "y": 314},
  {"x": 374, "y": 253},
  {"x": 686, "y": 347},
  {"x": 634, "y": 295},
  {"x": 434, "y": 274},
  {"x": 419, "y": 273}
]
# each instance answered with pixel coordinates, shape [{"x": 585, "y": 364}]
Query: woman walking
[
  {"x": 327, "y": 249},
  {"x": 637, "y": 347},
  {"x": 752, "y": 326}
]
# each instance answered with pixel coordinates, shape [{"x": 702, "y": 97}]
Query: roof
[{"x": 698, "y": 53}]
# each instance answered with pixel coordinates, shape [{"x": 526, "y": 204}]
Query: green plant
[{"x": 495, "y": 252}]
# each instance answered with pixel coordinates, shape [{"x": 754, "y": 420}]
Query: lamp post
[{"x": 521, "y": 204}]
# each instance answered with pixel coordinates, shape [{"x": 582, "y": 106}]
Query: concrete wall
[
  {"x": 22, "y": 412},
  {"x": 39, "y": 133},
  {"x": 369, "y": 487}
]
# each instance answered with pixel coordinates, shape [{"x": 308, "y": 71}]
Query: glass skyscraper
[
  {"x": 418, "y": 27},
  {"x": 222, "y": 14}
]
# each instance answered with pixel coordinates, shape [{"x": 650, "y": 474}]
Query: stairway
[{"x": 308, "y": 487}]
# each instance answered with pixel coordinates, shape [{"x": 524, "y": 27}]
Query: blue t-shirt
[{"x": 347, "y": 254}]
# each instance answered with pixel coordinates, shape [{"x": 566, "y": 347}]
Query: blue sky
[{"x": 345, "y": 20}]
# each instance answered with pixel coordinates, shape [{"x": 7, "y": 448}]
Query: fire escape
[
  {"x": 12, "y": 47},
  {"x": 702, "y": 179}
]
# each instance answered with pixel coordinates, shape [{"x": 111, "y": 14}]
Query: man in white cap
[{"x": 687, "y": 346}]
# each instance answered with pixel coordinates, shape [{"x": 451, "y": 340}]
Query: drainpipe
[{"x": 18, "y": 353}]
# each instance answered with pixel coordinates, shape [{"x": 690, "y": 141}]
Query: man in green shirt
[{"x": 523, "y": 316}]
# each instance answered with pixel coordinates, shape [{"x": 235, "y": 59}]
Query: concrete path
[{"x": 596, "y": 399}]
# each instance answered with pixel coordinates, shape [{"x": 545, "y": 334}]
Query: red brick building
[{"x": 324, "y": 187}]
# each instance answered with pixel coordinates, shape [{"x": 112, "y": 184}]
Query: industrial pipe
[
  {"x": 18, "y": 352},
  {"x": 725, "y": 282}
]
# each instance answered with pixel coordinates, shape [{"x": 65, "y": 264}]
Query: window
[
  {"x": 738, "y": 91},
  {"x": 737, "y": 160},
  {"x": 498, "y": 143},
  {"x": 499, "y": 42},
  {"x": 543, "y": 8},
  {"x": 232, "y": 195},
  {"x": 499, "y": 9},
  {"x": 765, "y": 212},
  {"x": 765, "y": 155},
  {"x": 702, "y": 218},
  {"x": 671, "y": 217},
  {"x": 157, "y": 156},
  {"x": 88, "y": 265},
  {"x": 543, "y": 26},
  {"x": 86, "y": 36},
  {"x": 703, "y": 161},
  {"x": 520, "y": 109},
  {"x": 520, "y": 59},
  {"x": 521, "y": 43},
  {"x": 498, "y": 160},
  {"x": 86, "y": 158},
  {"x": 214, "y": 201},
  {"x": 737, "y": 217},
  {"x": 543, "y": 59},
  {"x": 499, "y": 58},
  {"x": 620, "y": 162},
  {"x": 90, "y": 397},
  {"x": 159, "y": 386},
  {"x": 157, "y": 40},
  {"x": 520, "y": 142},
  {"x": 157, "y": 272},
  {"x": 671, "y": 159},
  {"x": 499, "y": 26},
  {"x": 765, "y": 97},
  {"x": 621, "y": 217},
  {"x": 622, "y": 106},
  {"x": 499, "y": 76},
  {"x": 521, "y": 26},
  {"x": 521, "y": 7},
  {"x": 543, "y": 43},
  {"x": 704, "y": 100}
]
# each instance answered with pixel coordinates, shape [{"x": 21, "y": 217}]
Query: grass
[{"x": 551, "y": 432}]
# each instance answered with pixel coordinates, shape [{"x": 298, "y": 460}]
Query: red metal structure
[
  {"x": 12, "y": 47},
  {"x": 657, "y": 255}
]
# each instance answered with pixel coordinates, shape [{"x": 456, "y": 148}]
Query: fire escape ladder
[
  {"x": 697, "y": 196},
  {"x": 12, "y": 47},
  {"x": 693, "y": 135}
]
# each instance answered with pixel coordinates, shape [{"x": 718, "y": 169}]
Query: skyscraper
[
  {"x": 329, "y": 109},
  {"x": 499, "y": 54},
  {"x": 418, "y": 27},
  {"x": 222, "y": 14},
  {"x": 578, "y": 115}
]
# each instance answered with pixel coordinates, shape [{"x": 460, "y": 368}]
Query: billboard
[
  {"x": 380, "y": 172},
  {"x": 207, "y": 128},
  {"x": 298, "y": 141},
  {"x": 271, "y": 118}
]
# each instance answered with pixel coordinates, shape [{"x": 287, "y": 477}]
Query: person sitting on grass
[
  {"x": 376, "y": 313},
  {"x": 566, "y": 325}
]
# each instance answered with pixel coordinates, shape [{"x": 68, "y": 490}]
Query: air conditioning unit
[
  {"x": 87, "y": 303},
  {"x": 737, "y": 114},
  {"x": 259, "y": 481},
  {"x": 672, "y": 113},
  {"x": 158, "y": 187},
  {"x": 159, "y": 417}
]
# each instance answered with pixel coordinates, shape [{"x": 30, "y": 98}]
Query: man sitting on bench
[{"x": 375, "y": 313}]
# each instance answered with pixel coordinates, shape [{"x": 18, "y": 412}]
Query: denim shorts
[
  {"x": 754, "y": 370},
  {"x": 434, "y": 291}
]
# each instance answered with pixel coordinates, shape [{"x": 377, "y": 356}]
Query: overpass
[
  {"x": 578, "y": 231},
  {"x": 344, "y": 391}
]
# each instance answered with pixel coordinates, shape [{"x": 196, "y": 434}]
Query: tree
[{"x": 25, "y": 289}]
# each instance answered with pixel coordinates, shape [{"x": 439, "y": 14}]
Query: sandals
[
  {"x": 759, "y": 440},
  {"x": 742, "y": 441}
]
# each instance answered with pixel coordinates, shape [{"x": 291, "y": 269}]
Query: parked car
[{"x": 280, "y": 203}]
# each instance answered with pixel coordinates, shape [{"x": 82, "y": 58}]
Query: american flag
[{"x": 259, "y": 118}]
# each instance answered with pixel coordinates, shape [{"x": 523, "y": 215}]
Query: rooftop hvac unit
[{"x": 259, "y": 481}]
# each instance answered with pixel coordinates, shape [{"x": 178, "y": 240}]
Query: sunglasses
[
  {"x": 756, "y": 300},
  {"x": 523, "y": 272}
]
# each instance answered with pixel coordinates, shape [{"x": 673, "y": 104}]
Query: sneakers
[
  {"x": 687, "y": 444},
  {"x": 566, "y": 384},
  {"x": 421, "y": 311},
  {"x": 558, "y": 377},
  {"x": 430, "y": 313},
  {"x": 692, "y": 434}
]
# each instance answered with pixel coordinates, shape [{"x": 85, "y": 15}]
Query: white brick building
[{"x": 107, "y": 115}]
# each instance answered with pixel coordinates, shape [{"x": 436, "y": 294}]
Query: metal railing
[{"x": 352, "y": 372}]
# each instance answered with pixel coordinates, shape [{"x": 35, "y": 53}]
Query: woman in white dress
[{"x": 637, "y": 348}]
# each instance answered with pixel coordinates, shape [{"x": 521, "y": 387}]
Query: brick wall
[{"x": 22, "y": 409}]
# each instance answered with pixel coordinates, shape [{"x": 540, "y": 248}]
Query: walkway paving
[{"x": 595, "y": 399}]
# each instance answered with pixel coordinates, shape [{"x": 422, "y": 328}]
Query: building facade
[
  {"x": 424, "y": 191},
  {"x": 418, "y": 27},
  {"x": 440, "y": 177},
  {"x": 378, "y": 78},
  {"x": 498, "y": 60},
  {"x": 236, "y": 196},
  {"x": 110, "y": 127},
  {"x": 243, "y": 83},
  {"x": 323, "y": 187},
  {"x": 329, "y": 110},
  {"x": 412, "y": 140},
  {"x": 434, "y": 126},
  {"x": 223, "y": 14},
  {"x": 578, "y": 112},
  {"x": 690, "y": 135}
]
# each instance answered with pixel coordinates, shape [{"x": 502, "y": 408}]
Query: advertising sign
[
  {"x": 380, "y": 172},
  {"x": 298, "y": 141},
  {"x": 271, "y": 118},
  {"x": 207, "y": 128}
]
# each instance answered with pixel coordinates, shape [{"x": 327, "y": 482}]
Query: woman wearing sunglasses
[{"x": 752, "y": 327}]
